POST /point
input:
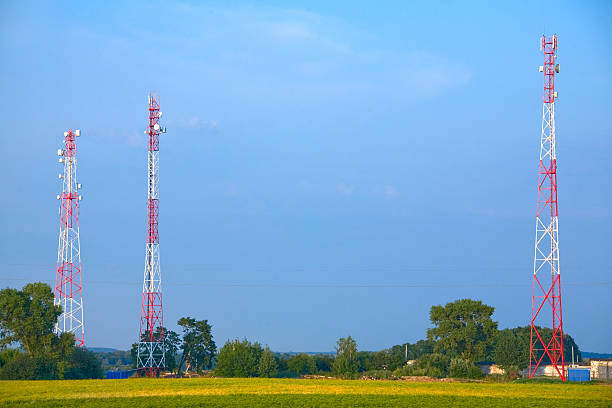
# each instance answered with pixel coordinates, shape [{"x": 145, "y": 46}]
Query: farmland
[{"x": 211, "y": 392}]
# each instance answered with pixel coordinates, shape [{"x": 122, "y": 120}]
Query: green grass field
[{"x": 252, "y": 392}]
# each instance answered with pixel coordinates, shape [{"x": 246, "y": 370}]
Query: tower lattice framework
[
  {"x": 546, "y": 301},
  {"x": 151, "y": 353},
  {"x": 68, "y": 292}
]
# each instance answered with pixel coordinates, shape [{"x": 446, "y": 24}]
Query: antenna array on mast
[{"x": 68, "y": 291}]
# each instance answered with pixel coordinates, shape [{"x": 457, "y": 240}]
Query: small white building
[
  {"x": 544, "y": 370},
  {"x": 488, "y": 368},
  {"x": 601, "y": 369}
]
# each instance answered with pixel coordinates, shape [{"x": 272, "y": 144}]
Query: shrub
[
  {"x": 83, "y": 364},
  {"x": 379, "y": 374},
  {"x": 462, "y": 368},
  {"x": 28, "y": 367}
]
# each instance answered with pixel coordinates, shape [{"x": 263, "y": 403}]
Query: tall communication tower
[
  {"x": 68, "y": 281},
  {"x": 546, "y": 273},
  {"x": 151, "y": 353}
]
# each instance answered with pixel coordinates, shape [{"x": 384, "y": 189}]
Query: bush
[
  {"x": 513, "y": 372},
  {"x": 379, "y": 374},
  {"x": 496, "y": 378},
  {"x": 83, "y": 364},
  {"x": 462, "y": 368},
  {"x": 428, "y": 371},
  {"x": 431, "y": 365},
  {"x": 27, "y": 367},
  {"x": 286, "y": 374},
  {"x": 7, "y": 355}
]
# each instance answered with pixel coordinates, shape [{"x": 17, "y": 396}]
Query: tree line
[{"x": 462, "y": 334}]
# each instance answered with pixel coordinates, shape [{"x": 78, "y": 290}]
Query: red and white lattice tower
[
  {"x": 151, "y": 353},
  {"x": 68, "y": 281},
  {"x": 546, "y": 274}
]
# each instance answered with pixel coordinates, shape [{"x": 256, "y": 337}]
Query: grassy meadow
[{"x": 254, "y": 392}]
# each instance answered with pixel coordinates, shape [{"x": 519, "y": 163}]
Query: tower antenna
[
  {"x": 68, "y": 291},
  {"x": 546, "y": 273},
  {"x": 151, "y": 352}
]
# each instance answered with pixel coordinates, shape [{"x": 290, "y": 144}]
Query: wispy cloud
[
  {"x": 344, "y": 189},
  {"x": 195, "y": 123},
  {"x": 288, "y": 30},
  {"x": 389, "y": 191}
]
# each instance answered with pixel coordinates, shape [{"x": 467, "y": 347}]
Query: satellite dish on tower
[{"x": 156, "y": 126}]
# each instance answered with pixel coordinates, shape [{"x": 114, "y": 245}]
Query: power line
[{"x": 325, "y": 285}]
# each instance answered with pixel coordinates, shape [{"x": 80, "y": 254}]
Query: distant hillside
[
  {"x": 113, "y": 359},
  {"x": 589, "y": 354},
  {"x": 310, "y": 353},
  {"x": 102, "y": 349}
]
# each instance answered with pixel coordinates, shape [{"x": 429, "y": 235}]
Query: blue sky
[{"x": 329, "y": 168}]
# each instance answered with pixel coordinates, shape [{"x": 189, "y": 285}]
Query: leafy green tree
[
  {"x": 7, "y": 355},
  {"x": 27, "y": 317},
  {"x": 462, "y": 368},
  {"x": 369, "y": 360},
  {"x": 267, "y": 366},
  {"x": 238, "y": 359},
  {"x": 134, "y": 354},
  {"x": 388, "y": 359},
  {"x": 323, "y": 362},
  {"x": 511, "y": 351},
  {"x": 82, "y": 364},
  {"x": 25, "y": 366},
  {"x": 346, "y": 363},
  {"x": 302, "y": 364},
  {"x": 463, "y": 328},
  {"x": 419, "y": 348},
  {"x": 395, "y": 357},
  {"x": 199, "y": 348},
  {"x": 431, "y": 365},
  {"x": 172, "y": 342},
  {"x": 511, "y": 348}
]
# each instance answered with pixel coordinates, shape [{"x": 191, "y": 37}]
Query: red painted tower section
[
  {"x": 151, "y": 352},
  {"x": 547, "y": 347},
  {"x": 68, "y": 291}
]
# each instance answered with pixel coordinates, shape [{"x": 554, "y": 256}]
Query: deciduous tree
[
  {"x": 346, "y": 363},
  {"x": 463, "y": 328},
  {"x": 199, "y": 348},
  {"x": 238, "y": 359},
  {"x": 302, "y": 364},
  {"x": 27, "y": 317},
  {"x": 267, "y": 366}
]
